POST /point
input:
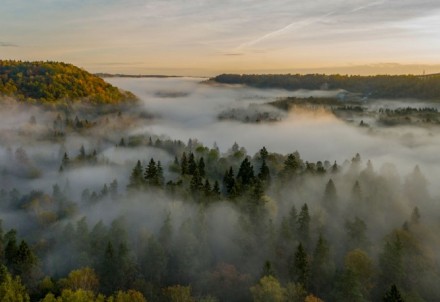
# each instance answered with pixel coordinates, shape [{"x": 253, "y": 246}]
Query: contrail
[
  {"x": 291, "y": 26},
  {"x": 301, "y": 24},
  {"x": 366, "y": 6}
]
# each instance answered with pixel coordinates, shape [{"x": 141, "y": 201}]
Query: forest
[
  {"x": 96, "y": 206},
  {"x": 424, "y": 87},
  {"x": 55, "y": 82},
  {"x": 227, "y": 227}
]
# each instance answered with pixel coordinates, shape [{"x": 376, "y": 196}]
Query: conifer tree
[
  {"x": 264, "y": 174},
  {"x": 300, "y": 270},
  {"x": 160, "y": 176},
  {"x": 66, "y": 160},
  {"x": 245, "y": 175},
  {"x": 291, "y": 166},
  {"x": 82, "y": 153},
  {"x": 216, "y": 189},
  {"x": 201, "y": 167},
  {"x": 196, "y": 184},
  {"x": 151, "y": 175},
  {"x": 330, "y": 197},
  {"x": 192, "y": 165},
  {"x": 304, "y": 224},
  {"x": 321, "y": 268},
  {"x": 229, "y": 182},
  {"x": 207, "y": 188},
  {"x": 184, "y": 164},
  {"x": 393, "y": 295},
  {"x": 136, "y": 177},
  {"x": 122, "y": 142}
]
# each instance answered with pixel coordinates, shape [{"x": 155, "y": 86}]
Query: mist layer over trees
[{"x": 121, "y": 205}]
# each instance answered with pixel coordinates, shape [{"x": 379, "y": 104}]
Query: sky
[{"x": 208, "y": 37}]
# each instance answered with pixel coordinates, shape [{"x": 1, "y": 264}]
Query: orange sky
[{"x": 203, "y": 38}]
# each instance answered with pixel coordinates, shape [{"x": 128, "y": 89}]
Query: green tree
[
  {"x": 216, "y": 189},
  {"x": 11, "y": 250},
  {"x": 160, "y": 176},
  {"x": 360, "y": 268},
  {"x": 321, "y": 267},
  {"x": 121, "y": 142},
  {"x": 179, "y": 293},
  {"x": 330, "y": 197},
  {"x": 84, "y": 278},
  {"x": 192, "y": 165},
  {"x": 415, "y": 216},
  {"x": 245, "y": 175},
  {"x": 393, "y": 295},
  {"x": 295, "y": 292},
  {"x": 207, "y": 190},
  {"x": 264, "y": 174},
  {"x": 291, "y": 166},
  {"x": 184, "y": 164},
  {"x": 201, "y": 167},
  {"x": 82, "y": 153},
  {"x": 268, "y": 289},
  {"x": 151, "y": 175},
  {"x": 11, "y": 288},
  {"x": 300, "y": 268},
  {"x": 263, "y": 153},
  {"x": 155, "y": 262},
  {"x": 196, "y": 184},
  {"x": 25, "y": 261},
  {"x": 129, "y": 296},
  {"x": 229, "y": 183},
  {"x": 268, "y": 269},
  {"x": 66, "y": 160},
  {"x": 391, "y": 262},
  {"x": 80, "y": 295},
  {"x": 304, "y": 224},
  {"x": 108, "y": 270},
  {"x": 356, "y": 233},
  {"x": 136, "y": 177}
]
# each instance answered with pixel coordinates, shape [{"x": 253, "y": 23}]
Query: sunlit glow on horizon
[{"x": 204, "y": 38}]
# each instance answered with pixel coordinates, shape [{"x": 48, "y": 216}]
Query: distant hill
[
  {"x": 380, "y": 86},
  {"x": 121, "y": 75},
  {"x": 55, "y": 82}
]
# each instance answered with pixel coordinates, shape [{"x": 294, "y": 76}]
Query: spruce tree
[
  {"x": 229, "y": 182},
  {"x": 300, "y": 270},
  {"x": 291, "y": 166},
  {"x": 82, "y": 153},
  {"x": 216, "y": 189},
  {"x": 184, "y": 164},
  {"x": 330, "y": 197},
  {"x": 151, "y": 175},
  {"x": 304, "y": 224},
  {"x": 245, "y": 175},
  {"x": 136, "y": 177},
  {"x": 192, "y": 166},
  {"x": 264, "y": 174},
  {"x": 201, "y": 167},
  {"x": 160, "y": 176},
  {"x": 393, "y": 295}
]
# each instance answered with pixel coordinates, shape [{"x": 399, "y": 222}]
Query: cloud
[
  {"x": 288, "y": 28},
  {"x": 171, "y": 33}
]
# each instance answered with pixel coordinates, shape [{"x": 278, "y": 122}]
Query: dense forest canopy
[
  {"x": 379, "y": 86},
  {"x": 55, "y": 82}
]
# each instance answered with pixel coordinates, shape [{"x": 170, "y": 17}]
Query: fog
[
  {"x": 315, "y": 135},
  {"x": 68, "y": 209}
]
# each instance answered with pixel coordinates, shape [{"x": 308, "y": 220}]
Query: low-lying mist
[
  {"x": 317, "y": 135},
  {"x": 163, "y": 192}
]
